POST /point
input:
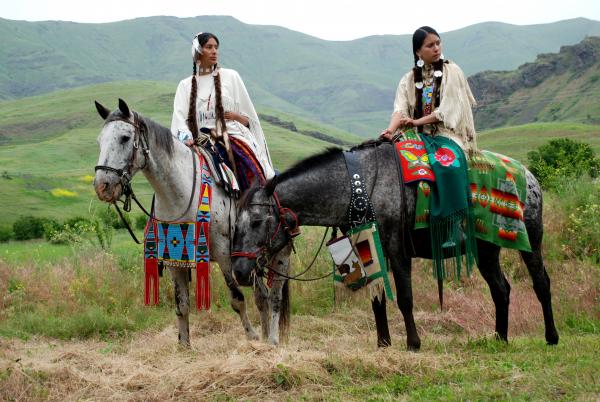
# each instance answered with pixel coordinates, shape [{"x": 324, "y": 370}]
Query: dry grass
[
  {"x": 150, "y": 366},
  {"x": 331, "y": 352}
]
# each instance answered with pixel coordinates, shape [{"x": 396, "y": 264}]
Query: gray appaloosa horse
[
  {"x": 317, "y": 190},
  {"x": 129, "y": 143}
]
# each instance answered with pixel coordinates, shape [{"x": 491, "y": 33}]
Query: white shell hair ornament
[
  {"x": 420, "y": 63},
  {"x": 196, "y": 48}
]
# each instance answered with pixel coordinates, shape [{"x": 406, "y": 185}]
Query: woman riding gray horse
[
  {"x": 130, "y": 143},
  {"x": 317, "y": 190}
]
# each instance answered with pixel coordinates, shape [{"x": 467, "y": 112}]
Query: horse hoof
[
  {"x": 272, "y": 341},
  {"x": 384, "y": 344},
  {"x": 552, "y": 339},
  {"x": 413, "y": 344},
  {"x": 252, "y": 336}
]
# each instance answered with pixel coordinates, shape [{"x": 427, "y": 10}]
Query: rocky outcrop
[{"x": 493, "y": 87}]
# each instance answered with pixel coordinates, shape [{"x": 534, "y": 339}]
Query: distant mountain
[
  {"x": 563, "y": 86},
  {"x": 348, "y": 84}
]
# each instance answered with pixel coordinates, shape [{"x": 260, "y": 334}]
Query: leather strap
[{"x": 360, "y": 209}]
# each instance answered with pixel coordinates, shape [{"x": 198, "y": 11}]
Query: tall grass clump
[
  {"x": 89, "y": 295},
  {"x": 578, "y": 202}
]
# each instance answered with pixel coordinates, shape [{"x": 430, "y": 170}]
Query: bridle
[
  {"x": 262, "y": 253},
  {"x": 140, "y": 138},
  {"x": 265, "y": 258}
]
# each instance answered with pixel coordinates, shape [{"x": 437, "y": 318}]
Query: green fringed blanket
[
  {"x": 496, "y": 188},
  {"x": 450, "y": 213}
]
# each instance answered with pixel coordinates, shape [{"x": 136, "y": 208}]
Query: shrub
[
  {"x": 50, "y": 226},
  {"x": 77, "y": 219},
  {"x": 72, "y": 234},
  {"x": 28, "y": 227},
  {"x": 140, "y": 222},
  {"x": 562, "y": 158},
  {"x": 6, "y": 234},
  {"x": 110, "y": 217},
  {"x": 580, "y": 199}
]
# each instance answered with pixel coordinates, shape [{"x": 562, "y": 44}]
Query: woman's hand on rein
[{"x": 387, "y": 134}]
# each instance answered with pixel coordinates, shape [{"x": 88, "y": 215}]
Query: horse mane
[
  {"x": 310, "y": 162},
  {"x": 162, "y": 135}
]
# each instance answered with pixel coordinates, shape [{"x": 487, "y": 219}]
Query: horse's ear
[
  {"x": 102, "y": 111},
  {"x": 124, "y": 108},
  {"x": 271, "y": 184}
]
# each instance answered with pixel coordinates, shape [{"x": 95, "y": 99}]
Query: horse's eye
[
  {"x": 255, "y": 223},
  {"x": 124, "y": 139}
]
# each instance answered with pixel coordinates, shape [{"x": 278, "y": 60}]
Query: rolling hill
[
  {"x": 47, "y": 160},
  {"x": 49, "y": 150},
  {"x": 348, "y": 84}
]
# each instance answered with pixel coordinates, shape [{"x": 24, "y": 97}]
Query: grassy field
[
  {"x": 516, "y": 141},
  {"x": 73, "y": 326}
]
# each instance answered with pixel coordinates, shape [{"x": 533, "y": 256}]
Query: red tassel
[
  {"x": 151, "y": 281},
  {"x": 203, "y": 286},
  {"x": 150, "y": 263}
]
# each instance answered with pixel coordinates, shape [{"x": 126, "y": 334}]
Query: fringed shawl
[{"x": 454, "y": 111}]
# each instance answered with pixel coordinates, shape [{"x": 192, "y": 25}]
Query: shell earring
[{"x": 420, "y": 63}]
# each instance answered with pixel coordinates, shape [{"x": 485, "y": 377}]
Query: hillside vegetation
[
  {"x": 48, "y": 143},
  {"x": 562, "y": 86},
  {"x": 350, "y": 84}
]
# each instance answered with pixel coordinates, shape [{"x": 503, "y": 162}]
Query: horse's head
[
  {"x": 262, "y": 229},
  {"x": 120, "y": 154}
]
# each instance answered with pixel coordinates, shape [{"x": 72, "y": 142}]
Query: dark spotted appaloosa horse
[{"x": 317, "y": 190}]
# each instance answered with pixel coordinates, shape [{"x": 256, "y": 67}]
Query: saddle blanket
[
  {"x": 498, "y": 192},
  {"x": 181, "y": 245}
]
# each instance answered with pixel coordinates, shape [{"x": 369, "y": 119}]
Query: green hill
[
  {"x": 46, "y": 162},
  {"x": 562, "y": 86},
  {"x": 49, "y": 152},
  {"x": 348, "y": 84}
]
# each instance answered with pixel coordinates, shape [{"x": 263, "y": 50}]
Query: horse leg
[
  {"x": 261, "y": 299},
  {"x": 489, "y": 266},
  {"x": 381, "y": 322},
  {"x": 279, "y": 298},
  {"x": 541, "y": 286},
  {"x": 533, "y": 260},
  {"x": 180, "y": 278},
  {"x": 402, "y": 277},
  {"x": 238, "y": 302}
]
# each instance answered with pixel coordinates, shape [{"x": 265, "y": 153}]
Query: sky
[{"x": 331, "y": 20}]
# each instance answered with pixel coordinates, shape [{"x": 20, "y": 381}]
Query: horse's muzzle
[
  {"x": 106, "y": 189},
  {"x": 242, "y": 269}
]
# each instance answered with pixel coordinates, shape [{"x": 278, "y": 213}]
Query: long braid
[
  {"x": 438, "y": 66},
  {"x": 218, "y": 103},
  {"x": 418, "y": 77},
  {"x": 191, "y": 121}
]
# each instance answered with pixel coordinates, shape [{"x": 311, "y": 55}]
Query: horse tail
[{"x": 284, "y": 313}]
